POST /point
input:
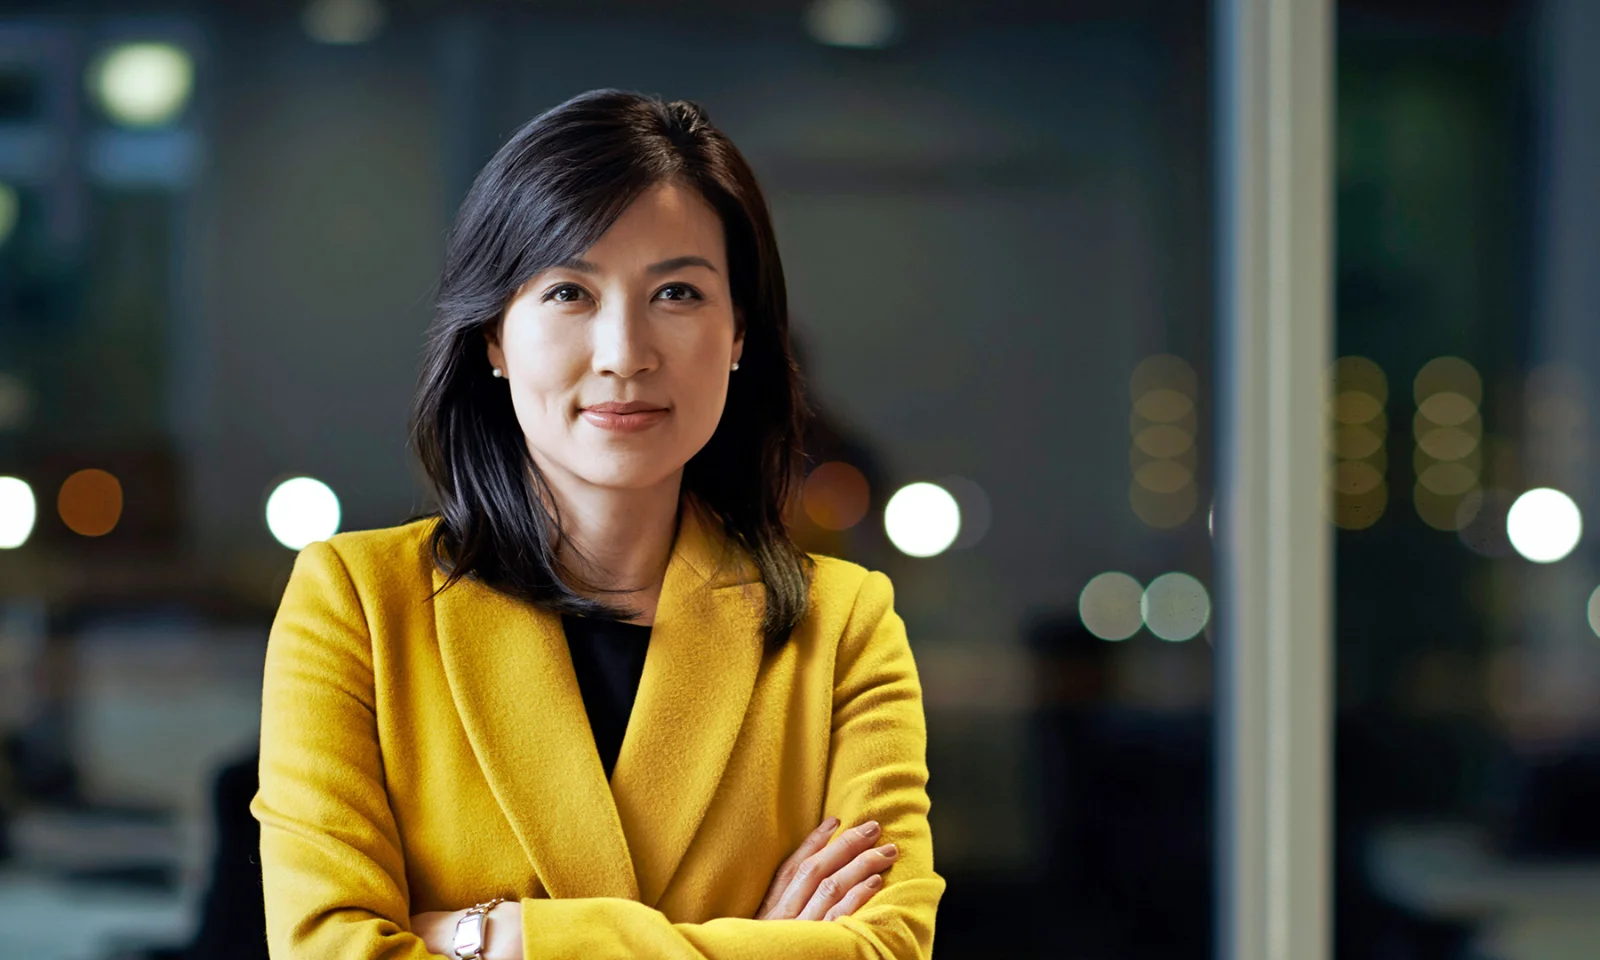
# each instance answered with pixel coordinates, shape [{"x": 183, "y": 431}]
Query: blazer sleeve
[
  {"x": 877, "y": 770},
  {"x": 332, "y": 872}
]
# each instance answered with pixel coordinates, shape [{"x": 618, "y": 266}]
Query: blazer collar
[{"x": 512, "y": 679}]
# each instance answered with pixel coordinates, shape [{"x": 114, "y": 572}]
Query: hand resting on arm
[{"x": 821, "y": 880}]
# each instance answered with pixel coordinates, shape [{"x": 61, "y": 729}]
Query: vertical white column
[{"x": 1274, "y": 63}]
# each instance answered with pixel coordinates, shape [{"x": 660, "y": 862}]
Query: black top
[{"x": 608, "y": 656}]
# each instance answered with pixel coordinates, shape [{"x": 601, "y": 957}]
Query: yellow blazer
[{"x": 422, "y": 755}]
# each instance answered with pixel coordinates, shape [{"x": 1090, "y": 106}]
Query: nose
[{"x": 622, "y": 343}]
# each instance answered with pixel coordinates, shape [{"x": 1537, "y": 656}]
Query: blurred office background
[{"x": 219, "y": 229}]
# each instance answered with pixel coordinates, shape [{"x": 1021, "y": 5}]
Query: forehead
[{"x": 669, "y": 219}]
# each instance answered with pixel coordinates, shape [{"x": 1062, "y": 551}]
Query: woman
[{"x": 598, "y": 705}]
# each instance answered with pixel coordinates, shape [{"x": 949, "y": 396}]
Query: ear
[
  {"x": 738, "y": 335},
  {"x": 491, "y": 336}
]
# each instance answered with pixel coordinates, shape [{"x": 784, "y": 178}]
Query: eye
[
  {"x": 565, "y": 293},
  {"x": 680, "y": 291}
]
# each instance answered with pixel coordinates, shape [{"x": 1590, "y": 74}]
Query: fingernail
[
  {"x": 829, "y": 824},
  {"x": 889, "y": 850},
  {"x": 869, "y": 829},
  {"x": 875, "y": 881}
]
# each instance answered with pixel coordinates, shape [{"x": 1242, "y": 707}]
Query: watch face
[{"x": 469, "y": 935}]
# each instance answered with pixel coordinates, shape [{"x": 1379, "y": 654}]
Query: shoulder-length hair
[{"x": 559, "y": 183}]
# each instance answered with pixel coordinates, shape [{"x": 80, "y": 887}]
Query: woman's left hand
[{"x": 437, "y": 928}]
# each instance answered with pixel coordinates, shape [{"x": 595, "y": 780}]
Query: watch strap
[{"x": 472, "y": 930}]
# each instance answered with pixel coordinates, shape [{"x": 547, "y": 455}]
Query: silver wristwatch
[{"x": 472, "y": 930}]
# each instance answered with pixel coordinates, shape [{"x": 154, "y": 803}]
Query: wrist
[
  {"x": 479, "y": 932},
  {"x": 505, "y": 932}
]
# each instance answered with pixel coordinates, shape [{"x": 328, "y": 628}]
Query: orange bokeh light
[
  {"x": 836, "y": 496},
  {"x": 90, "y": 502}
]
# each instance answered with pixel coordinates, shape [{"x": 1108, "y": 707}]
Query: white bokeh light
[
  {"x": 1109, "y": 606},
  {"x": 143, "y": 84},
  {"x": 1594, "y": 611},
  {"x": 1175, "y": 606},
  {"x": 922, "y": 519},
  {"x": 1544, "y": 525},
  {"x": 18, "y": 509},
  {"x": 301, "y": 511}
]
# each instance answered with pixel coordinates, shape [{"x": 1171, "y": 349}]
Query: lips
[
  {"x": 629, "y": 417},
  {"x": 632, "y": 406}
]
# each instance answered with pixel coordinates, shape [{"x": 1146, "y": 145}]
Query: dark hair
[{"x": 559, "y": 183}]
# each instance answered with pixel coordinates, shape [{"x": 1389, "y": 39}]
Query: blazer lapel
[
  {"x": 705, "y": 651},
  {"x": 514, "y": 687}
]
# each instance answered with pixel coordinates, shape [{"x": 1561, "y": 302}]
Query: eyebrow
[{"x": 666, "y": 266}]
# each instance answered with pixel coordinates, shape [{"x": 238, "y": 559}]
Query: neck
[{"x": 618, "y": 539}]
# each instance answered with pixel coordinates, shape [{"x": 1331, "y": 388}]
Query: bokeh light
[
  {"x": 1447, "y": 409},
  {"x": 1449, "y": 443},
  {"x": 143, "y": 84},
  {"x": 1163, "y": 425},
  {"x": 1162, "y": 404},
  {"x": 18, "y": 510},
  {"x": 1355, "y": 406},
  {"x": 1448, "y": 375},
  {"x": 1163, "y": 440},
  {"x": 90, "y": 502},
  {"x": 343, "y": 21},
  {"x": 1110, "y": 606},
  {"x": 1175, "y": 606},
  {"x": 835, "y": 495},
  {"x": 864, "y": 24},
  {"x": 1544, "y": 525},
  {"x": 1449, "y": 479},
  {"x": 1163, "y": 476},
  {"x": 1448, "y": 430},
  {"x": 1358, "y": 426},
  {"x": 922, "y": 519},
  {"x": 1594, "y": 611},
  {"x": 302, "y": 510}
]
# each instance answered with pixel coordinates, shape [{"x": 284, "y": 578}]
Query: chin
[{"x": 629, "y": 476}]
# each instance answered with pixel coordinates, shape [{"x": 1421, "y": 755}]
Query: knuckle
[{"x": 828, "y": 889}]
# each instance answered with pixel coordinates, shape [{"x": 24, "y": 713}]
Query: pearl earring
[
  {"x": 735, "y": 364},
  {"x": 497, "y": 373}
]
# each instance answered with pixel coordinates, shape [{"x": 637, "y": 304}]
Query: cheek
[
  {"x": 703, "y": 390},
  {"x": 545, "y": 371},
  {"x": 541, "y": 408},
  {"x": 542, "y": 396}
]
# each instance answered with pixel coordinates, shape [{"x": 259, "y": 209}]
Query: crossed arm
[
  {"x": 821, "y": 880},
  {"x": 334, "y": 877}
]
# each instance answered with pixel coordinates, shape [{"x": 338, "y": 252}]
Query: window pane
[{"x": 1467, "y": 647}]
